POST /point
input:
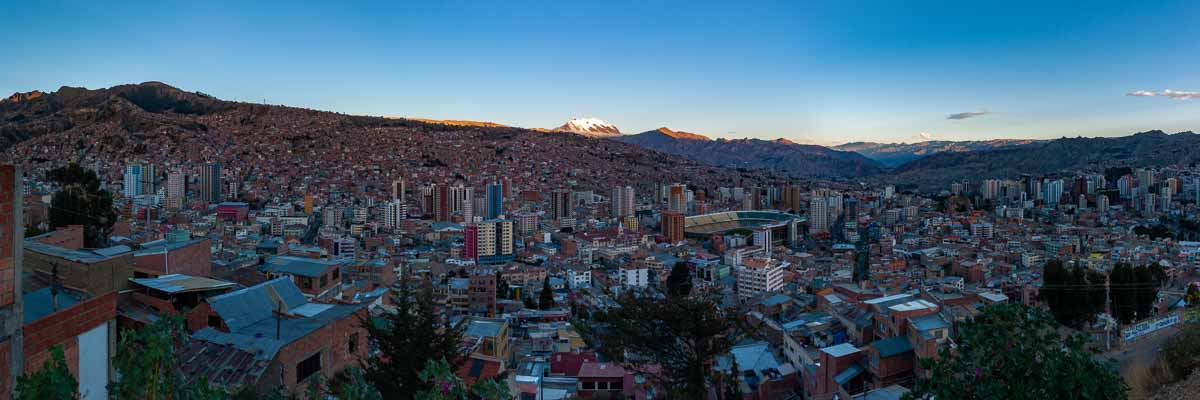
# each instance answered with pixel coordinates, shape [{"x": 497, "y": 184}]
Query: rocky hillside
[
  {"x": 292, "y": 148},
  {"x": 778, "y": 155},
  {"x": 895, "y": 154}
]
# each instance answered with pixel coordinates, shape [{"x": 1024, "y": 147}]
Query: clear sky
[{"x": 817, "y": 72}]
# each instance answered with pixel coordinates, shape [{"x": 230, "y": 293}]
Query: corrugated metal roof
[
  {"x": 845, "y": 376},
  {"x": 241, "y": 308},
  {"x": 299, "y": 265},
  {"x": 82, "y": 256},
  {"x": 179, "y": 283},
  {"x": 226, "y": 360},
  {"x": 892, "y": 346}
]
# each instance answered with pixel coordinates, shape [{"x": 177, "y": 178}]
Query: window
[
  {"x": 615, "y": 385},
  {"x": 589, "y": 385},
  {"x": 214, "y": 321},
  {"x": 324, "y": 280},
  {"x": 309, "y": 366},
  {"x": 306, "y": 283},
  {"x": 353, "y": 343},
  {"x": 337, "y": 273}
]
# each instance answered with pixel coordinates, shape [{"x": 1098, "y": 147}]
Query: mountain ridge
[
  {"x": 172, "y": 127},
  {"x": 784, "y": 156}
]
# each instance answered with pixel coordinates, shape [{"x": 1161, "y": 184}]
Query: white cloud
[
  {"x": 925, "y": 136},
  {"x": 1174, "y": 94}
]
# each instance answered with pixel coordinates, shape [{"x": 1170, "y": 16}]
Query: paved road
[{"x": 1142, "y": 352}]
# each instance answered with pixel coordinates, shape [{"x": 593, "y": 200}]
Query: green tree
[
  {"x": 1134, "y": 291},
  {"x": 679, "y": 281},
  {"x": 546, "y": 298},
  {"x": 81, "y": 201},
  {"x": 52, "y": 382},
  {"x": 444, "y": 385},
  {"x": 148, "y": 365},
  {"x": 674, "y": 339},
  {"x": 407, "y": 339},
  {"x": 352, "y": 385},
  {"x": 1074, "y": 295},
  {"x": 1010, "y": 351}
]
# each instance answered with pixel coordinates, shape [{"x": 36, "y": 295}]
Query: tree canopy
[
  {"x": 148, "y": 365},
  {"x": 52, "y": 382},
  {"x": 546, "y": 298},
  {"x": 679, "y": 282},
  {"x": 81, "y": 201},
  {"x": 1010, "y": 351},
  {"x": 673, "y": 340},
  {"x": 407, "y": 339}
]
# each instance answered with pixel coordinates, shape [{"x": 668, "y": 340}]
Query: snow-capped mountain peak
[{"x": 589, "y": 127}]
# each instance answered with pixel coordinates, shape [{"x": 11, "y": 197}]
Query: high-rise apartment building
[
  {"x": 495, "y": 200},
  {"x": 133, "y": 180},
  {"x": 489, "y": 242},
  {"x": 393, "y": 212},
  {"x": 677, "y": 198},
  {"x": 399, "y": 190},
  {"x": 210, "y": 183},
  {"x": 818, "y": 214},
  {"x": 560, "y": 204},
  {"x": 176, "y": 190},
  {"x": 622, "y": 201},
  {"x": 672, "y": 226}
]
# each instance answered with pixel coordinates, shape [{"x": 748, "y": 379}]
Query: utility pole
[{"x": 1108, "y": 325}]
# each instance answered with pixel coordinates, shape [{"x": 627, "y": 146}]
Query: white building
[
  {"x": 635, "y": 277},
  {"x": 579, "y": 279},
  {"x": 759, "y": 275}
]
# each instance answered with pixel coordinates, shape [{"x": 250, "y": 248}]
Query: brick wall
[
  {"x": 197, "y": 318},
  {"x": 8, "y": 230},
  {"x": 96, "y": 279},
  {"x": 333, "y": 343},
  {"x": 192, "y": 260},
  {"x": 5, "y": 368},
  {"x": 70, "y": 237},
  {"x": 63, "y": 328}
]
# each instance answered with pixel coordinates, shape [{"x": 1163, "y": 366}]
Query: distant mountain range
[
  {"x": 896, "y": 154},
  {"x": 778, "y": 155},
  {"x": 133, "y": 121},
  {"x": 1152, "y": 148}
]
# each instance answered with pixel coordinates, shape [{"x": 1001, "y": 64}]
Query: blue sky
[{"x": 813, "y": 72}]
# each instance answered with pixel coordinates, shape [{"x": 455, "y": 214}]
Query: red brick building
[
  {"x": 191, "y": 257},
  {"x": 296, "y": 338},
  {"x": 69, "y": 319}
]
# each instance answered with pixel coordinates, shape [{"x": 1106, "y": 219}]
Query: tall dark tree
[
  {"x": 503, "y": 291},
  {"x": 407, "y": 339},
  {"x": 681, "y": 335},
  {"x": 1010, "y": 351},
  {"x": 81, "y": 201},
  {"x": 1074, "y": 295},
  {"x": 679, "y": 282},
  {"x": 1134, "y": 290},
  {"x": 546, "y": 298}
]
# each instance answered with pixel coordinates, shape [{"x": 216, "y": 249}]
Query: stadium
[{"x": 785, "y": 228}]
